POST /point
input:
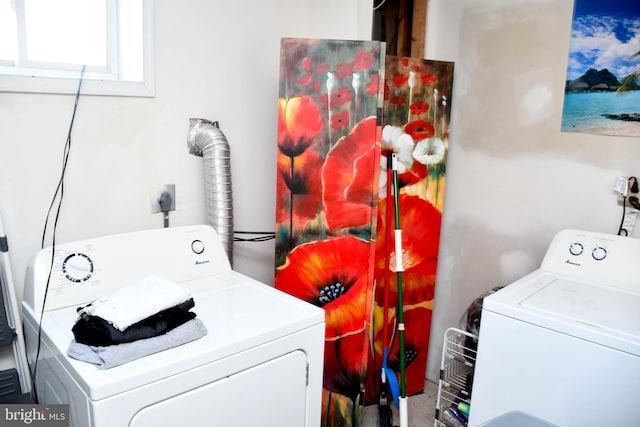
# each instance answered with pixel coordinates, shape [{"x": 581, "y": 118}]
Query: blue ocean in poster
[{"x": 586, "y": 112}]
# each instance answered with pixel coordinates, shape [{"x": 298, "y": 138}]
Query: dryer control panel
[{"x": 85, "y": 270}]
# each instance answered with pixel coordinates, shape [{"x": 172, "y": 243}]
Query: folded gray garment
[{"x": 114, "y": 355}]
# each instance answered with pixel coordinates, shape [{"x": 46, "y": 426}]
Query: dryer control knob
[
  {"x": 576, "y": 249},
  {"x": 599, "y": 253},
  {"x": 77, "y": 267},
  {"x": 197, "y": 246}
]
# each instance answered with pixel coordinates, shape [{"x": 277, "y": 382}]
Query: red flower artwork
[
  {"x": 306, "y": 64},
  {"x": 400, "y": 80},
  {"x": 420, "y": 129},
  {"x": 299, "y": 122},
  {"x": 328, "y": 273},
  {"x": 428, "y": 78},
  {"x": 419, "y": 107},
  {"x": 417, "y": 319},
  {"x": 363, "y": 60},
  {"x": 340, "y": 120},
  {"x": 420, "y": 222},
  {"x": 331, "y": 207},
  {"x": 304, "y": 185},
  {"x": 414, "y": 175},
  {"x": 343, "y": 363},
  {"x": 306, "y": 79},
  {"x": 322, "y": 68},
  {"x": 373, "y": 85},
  {"x": 397, "y": 100},
  {"x": 347, "y": 177},
  {"x": 344, "y": 70}
]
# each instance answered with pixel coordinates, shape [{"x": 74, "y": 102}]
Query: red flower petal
[
  {"x": 359, "y": 190},
  {"x": 329, "y": 273},
  {"x": 343, "y": 364},
  {"x": 418, "y": 172},
  {"x": 340, "y": 173},
  {"x": 299, "y": 122}
]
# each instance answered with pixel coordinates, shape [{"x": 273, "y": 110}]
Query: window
[{"x": 44, "y": 45}]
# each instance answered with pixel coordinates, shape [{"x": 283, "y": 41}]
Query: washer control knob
[
  {"x": 197, "y": 246},
  {"x": 599, "y": 253},
  {"x": 576, "y": 248}
]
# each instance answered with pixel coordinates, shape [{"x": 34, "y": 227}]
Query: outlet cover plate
[{"x": 154, "y": 200}]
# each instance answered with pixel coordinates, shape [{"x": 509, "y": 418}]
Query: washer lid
[
  {"x": 601, "y": 307},
  {"x": 595, "y": 312}
]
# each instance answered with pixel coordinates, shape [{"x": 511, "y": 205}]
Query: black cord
[
  {"x": 624, "y": 212},
  {"x": 261, "y": 236},
  {"x": 59, "y": 192}
]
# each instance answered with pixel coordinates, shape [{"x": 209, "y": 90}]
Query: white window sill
[{"x": 65, "y": 85}]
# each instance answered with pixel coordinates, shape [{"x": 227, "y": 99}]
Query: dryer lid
[{"x": 240, "y": 315}]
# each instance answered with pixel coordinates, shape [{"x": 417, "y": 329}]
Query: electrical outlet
[
  {"x": 621, "y": 187},
  {"x": 157, "y": 195},
  {"x": 625, "y": 187}
]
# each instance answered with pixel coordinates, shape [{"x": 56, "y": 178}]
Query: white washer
[
  {"x": 562, "y": 344},
  {"x": 260, "y": 363}
]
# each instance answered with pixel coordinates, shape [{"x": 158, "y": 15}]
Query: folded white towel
[{"x": 131, "y": 304}]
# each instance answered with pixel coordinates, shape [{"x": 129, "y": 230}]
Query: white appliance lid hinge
[{"x": 307, "y": 373}]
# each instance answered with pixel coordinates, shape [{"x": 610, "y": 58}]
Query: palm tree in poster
[{"x": 631, "y": 81}]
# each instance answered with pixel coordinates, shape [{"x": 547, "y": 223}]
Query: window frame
[{"x": 96, "y": 80}]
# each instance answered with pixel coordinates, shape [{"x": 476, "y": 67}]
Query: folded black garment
[{"x": 94, "y": 330}]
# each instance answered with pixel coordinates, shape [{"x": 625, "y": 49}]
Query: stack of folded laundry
[{"x": 149, "y": 316}]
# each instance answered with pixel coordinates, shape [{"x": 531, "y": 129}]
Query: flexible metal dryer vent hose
[{"x": 205, "y": 139}]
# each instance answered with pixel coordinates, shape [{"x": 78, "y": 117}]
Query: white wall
[
  {"x": 513, "y": 179},
  {"x": 214, "y": 59}
]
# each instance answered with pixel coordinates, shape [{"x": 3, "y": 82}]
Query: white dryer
[
  {"x": 562, "y": 344},
  {"x": 260, "y": 363}
]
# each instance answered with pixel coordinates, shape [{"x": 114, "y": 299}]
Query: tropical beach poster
[{"x": 602, "y": 92}]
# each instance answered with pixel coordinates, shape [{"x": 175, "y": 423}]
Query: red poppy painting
[
  {"x": 416, "y": 128},
  {"x": 343, "y": 106},
  {"x": 327, "y": 197}
]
